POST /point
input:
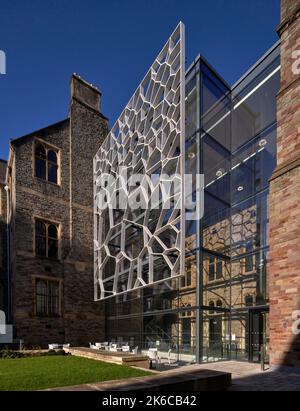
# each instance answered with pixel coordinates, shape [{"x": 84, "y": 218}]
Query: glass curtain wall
[
  {"x": 253, "y": 121},
  {"x": 215, "y": 228},
  {"x": 238, "y": 155},
  {"x": 218, "y": 309}
]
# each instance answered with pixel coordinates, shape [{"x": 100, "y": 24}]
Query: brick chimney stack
[{"x": 284, "y": 232}]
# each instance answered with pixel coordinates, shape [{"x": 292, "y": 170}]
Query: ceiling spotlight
[
  {"x": 240, "y": 188},
  {"x": 191, "y": 155},
  {"x": 262, "y": 143},
  {"x": 220, "y": 172}
]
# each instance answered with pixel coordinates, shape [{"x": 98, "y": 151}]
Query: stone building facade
[
  {"x": 50, "y": 180},
  {"x": 284, "y": 198},
  {"x": 3, "y": 238}
]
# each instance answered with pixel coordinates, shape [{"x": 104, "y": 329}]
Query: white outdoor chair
[
  {"x": 53, "y": 346},
  {"x": 153, "y": 356},
  {"x": 125, "y": 348},
  {"x": 135, "y": 350},
  {"x": 113, "y": 348},
  {"x": 93, "y": 346},
  {"x": 101, "y": 344},
  {"x": 66, "y": 345},
  {"x": 168, "y": 357}
]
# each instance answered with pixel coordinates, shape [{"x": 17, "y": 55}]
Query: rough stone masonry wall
[
  {"x": 284, "y": 267},
  {"x": 3, "y": 248},
  {"x": 35, "y": 198},
  {"x": 84, "y": 318},
  {"x": 70, "y": 204}
]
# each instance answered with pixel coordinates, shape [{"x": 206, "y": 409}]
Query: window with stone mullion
[
  {"x": 46, "y": 163},
  {"x": 46, "y": 239}
]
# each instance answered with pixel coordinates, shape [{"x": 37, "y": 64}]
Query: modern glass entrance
[
  {"x": 258, "y": 335},
  {"x": 251, "y": 340}
]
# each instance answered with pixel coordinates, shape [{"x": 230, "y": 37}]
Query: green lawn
[{"x": 26, "y": 374}]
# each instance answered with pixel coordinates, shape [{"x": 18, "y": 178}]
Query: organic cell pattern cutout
[{"x": 138, "y": 246}]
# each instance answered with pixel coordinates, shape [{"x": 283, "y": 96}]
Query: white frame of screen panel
[{"x": 168, "y": 69}]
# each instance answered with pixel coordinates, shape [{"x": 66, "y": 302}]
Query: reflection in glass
[{"x": 231, "y": 139}]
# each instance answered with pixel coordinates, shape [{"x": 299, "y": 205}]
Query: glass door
[{"x": 257, "y": 334}]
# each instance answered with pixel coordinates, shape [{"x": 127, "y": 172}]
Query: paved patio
[{"x": 249, "y": 377}]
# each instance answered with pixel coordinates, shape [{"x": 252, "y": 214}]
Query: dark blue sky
[{"x": 111, "y": 44}]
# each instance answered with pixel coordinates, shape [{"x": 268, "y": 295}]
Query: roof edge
[
  {"x": 256, "y": 64},
  {"x": 19, "y": 139}
]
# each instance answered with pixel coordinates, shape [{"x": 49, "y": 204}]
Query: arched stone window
[
  {"x": 40, "y": 161},
  {"x": 189, "y": 313},
  {"x": 46, "y": 163},
  {"x": 186, "y": 313},
  {"x": 249, "y": 300},
  {"x": 46, "y": 239},
  {"x": 52, "y": 241},
  {"x": 211, "y": 305},
  {"x": 52, "y": 166}
]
